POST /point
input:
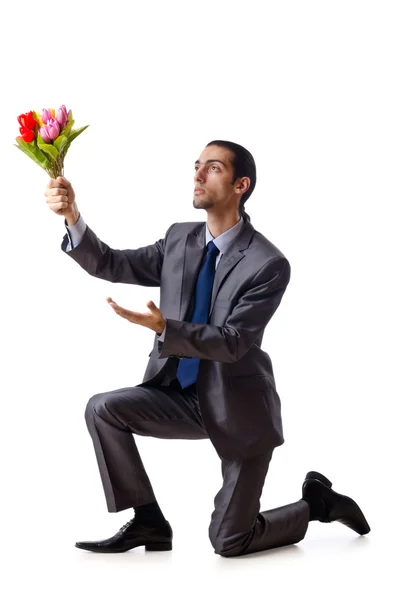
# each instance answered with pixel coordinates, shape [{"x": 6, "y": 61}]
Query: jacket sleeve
[
  {"x": 141, "y": 266},
  {"x": 249, "y": 317}
]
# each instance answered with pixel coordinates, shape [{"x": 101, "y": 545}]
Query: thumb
[
  {"x": 150, "y": 304},
  {"x": 61, "y": 179}
]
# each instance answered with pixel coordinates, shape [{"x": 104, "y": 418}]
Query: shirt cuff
[
  {"x": 75, "y": 233},
  {"x": 162, "y": 335}
]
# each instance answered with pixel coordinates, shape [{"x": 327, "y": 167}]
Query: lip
[{"x": 198, "y": 191}]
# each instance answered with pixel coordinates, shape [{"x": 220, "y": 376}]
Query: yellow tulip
[{"x": 38, "y": 118}]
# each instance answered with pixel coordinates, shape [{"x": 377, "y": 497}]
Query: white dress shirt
[{"x": 222, "y": 242}]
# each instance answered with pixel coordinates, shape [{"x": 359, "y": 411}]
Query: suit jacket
[{"x": 236, "y": 389}]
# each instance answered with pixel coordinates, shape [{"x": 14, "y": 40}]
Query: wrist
[
  {"x": 72, "y": 217},
  {"x": 162, "y": 328}
]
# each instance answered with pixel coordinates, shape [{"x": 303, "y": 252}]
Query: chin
[{"x": 202, "y": 203}]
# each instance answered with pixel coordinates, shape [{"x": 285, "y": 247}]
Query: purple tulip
[
  {"x": 62, "y": 116},
  {"x": 50, "y": 131},
  {"x": 46, "y": 115},
  {"x": 43, "y": 133}
]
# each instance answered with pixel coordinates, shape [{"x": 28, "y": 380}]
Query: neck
[{"x": 218, "y": 224}]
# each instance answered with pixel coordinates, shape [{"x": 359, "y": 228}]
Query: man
[{"x": 207, "y": 377}]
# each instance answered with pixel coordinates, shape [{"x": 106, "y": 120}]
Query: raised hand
[{"x": 61, "y": 199}]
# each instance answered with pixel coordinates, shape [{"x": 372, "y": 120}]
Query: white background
[{"x": 309, "y": 88}]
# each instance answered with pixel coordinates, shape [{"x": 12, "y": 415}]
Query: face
[{"x": 213, "y": 179}]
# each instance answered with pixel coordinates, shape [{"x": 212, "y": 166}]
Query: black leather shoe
[
  {"x": 316, "y": 490},
  {"x": 131, "y": 535}
]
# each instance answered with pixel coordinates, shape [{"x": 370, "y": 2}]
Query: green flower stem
[{"x": 56, "y": 169}]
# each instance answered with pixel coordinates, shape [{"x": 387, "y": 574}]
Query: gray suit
[{"x": 234, "y": 401}]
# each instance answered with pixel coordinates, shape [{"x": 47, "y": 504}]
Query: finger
[
  {"x": 61, "y": 182},
  {"x": 150, "y": 304},
  {"x": 58, "y": 206},
  {"x": 134, "y": 317},
  {"x": 52, "y": 183},
  {"x": 118, "y": 309},
  {"x": 57, "y": 200},
  {"x": 126, "y": 314},
  {"x": 56, "y": 192},
  {"x": 130, "y": 315}
]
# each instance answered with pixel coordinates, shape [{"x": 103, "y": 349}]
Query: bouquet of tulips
[{"x": 46, "y": 138}]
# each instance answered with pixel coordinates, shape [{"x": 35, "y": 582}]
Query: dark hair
[{"x": 243, "y": 166}]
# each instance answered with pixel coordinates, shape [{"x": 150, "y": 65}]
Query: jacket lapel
[{"x": 194, "y": 252}]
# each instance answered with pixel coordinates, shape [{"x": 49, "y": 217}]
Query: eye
[{"x": 215, "y": 167}]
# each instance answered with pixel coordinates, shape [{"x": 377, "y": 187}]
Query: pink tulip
[
  {"x": 50, "y": 131},
  {"x": 46, "y": 115},
  {"x": 43, "y": 133},
  {"x": 62, "y": 116}
]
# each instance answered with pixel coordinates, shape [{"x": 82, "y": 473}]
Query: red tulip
[
  {"x": 27, "y": 135},
  {"x": 27, "y": 120},
  {"x": 27, "y": 126}
]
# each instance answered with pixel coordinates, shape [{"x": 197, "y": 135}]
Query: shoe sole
[
  {"x": 151, "y": 547},
  {"x": 361, "y": 530}
]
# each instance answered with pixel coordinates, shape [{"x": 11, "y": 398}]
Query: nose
[{"x": 199, "y": 175}]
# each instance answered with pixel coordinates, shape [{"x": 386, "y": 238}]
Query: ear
[{"x": 243, "y": 186}]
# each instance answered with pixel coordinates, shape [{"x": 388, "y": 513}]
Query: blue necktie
[{"x": 188, "y": 367}]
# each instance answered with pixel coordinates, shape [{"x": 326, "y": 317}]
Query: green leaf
[
  {"x": 67, "y": 129},
  {"x": 49, "y": 150},
  {"x": 60, "y": 142},
  {"x": 34, "y": 153},
  {"x": 29, "y": 153},
  {"x": 65, "y": 148},
  {"x": 76, "y": 132},
  {"x": 72, "y": 136}
]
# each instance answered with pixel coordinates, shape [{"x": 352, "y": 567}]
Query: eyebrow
[{"x": 210, "y": 161}]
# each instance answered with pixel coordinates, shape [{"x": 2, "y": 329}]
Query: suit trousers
[{"x": 166, "y": 411}]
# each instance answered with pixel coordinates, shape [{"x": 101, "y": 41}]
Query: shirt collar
[{"x": 224, "y": 240}]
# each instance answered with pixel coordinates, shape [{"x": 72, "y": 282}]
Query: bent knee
[
  {"x": 228, "y": 553},
  {"x": 92, "y": 405},
  {"x": 115, "y": 407},
  {"x": 229, "y": 546},
  {"x": 224, "y": 549},
  {"x": 104, "y": 405}
]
